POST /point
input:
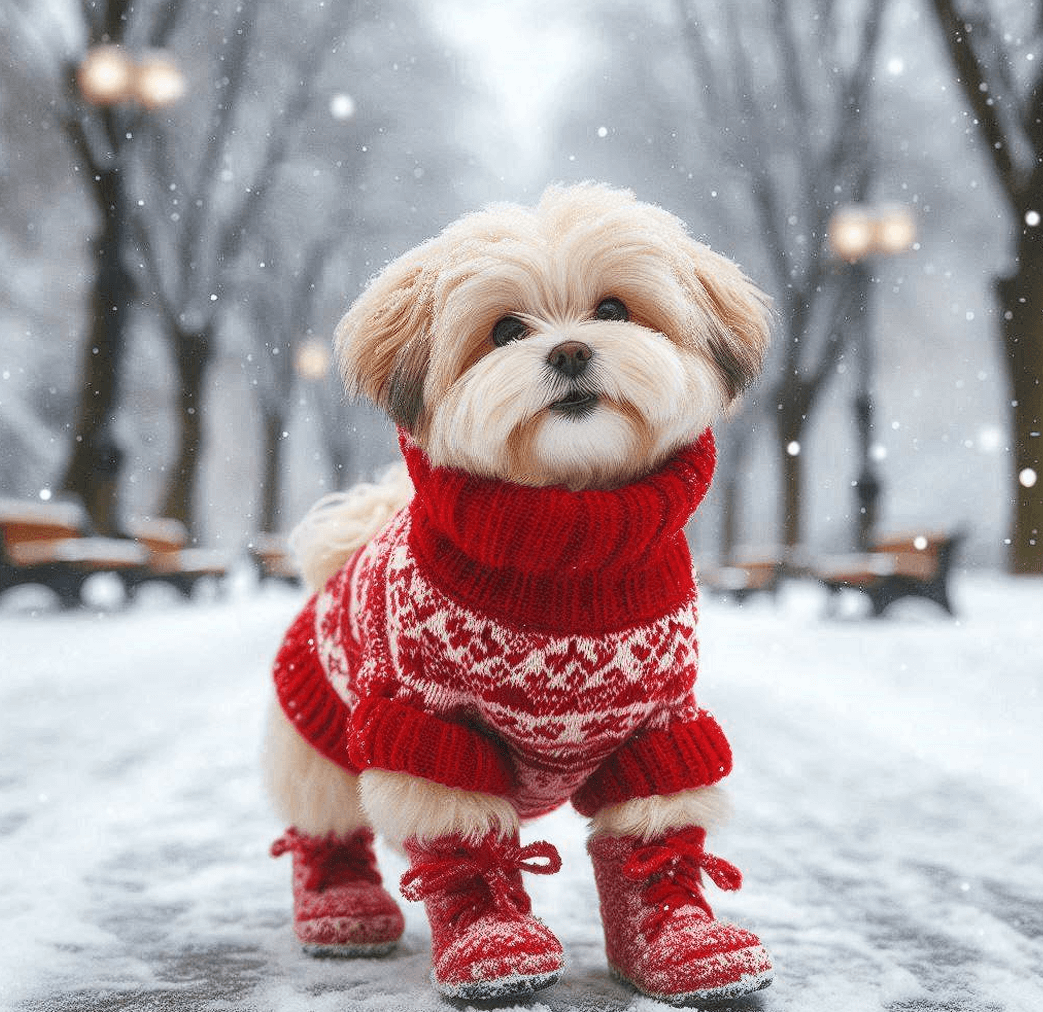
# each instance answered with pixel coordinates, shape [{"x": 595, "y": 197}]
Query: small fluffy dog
[{"x": 513, "y": 625}]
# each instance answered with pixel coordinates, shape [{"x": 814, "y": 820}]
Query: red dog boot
[
  {"x": 660, "y": 933},
  {"x": 485, "y": 944},
  {"x": 339, "y": 905}
]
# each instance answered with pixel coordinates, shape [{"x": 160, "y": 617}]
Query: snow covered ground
[{"x": 888, "y": 813}]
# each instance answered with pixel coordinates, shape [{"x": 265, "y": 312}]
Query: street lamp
[
  {"x": 857, "y": 233},
  {"x": 109, "y": 76},
  {"x": 119, "y": 88}
]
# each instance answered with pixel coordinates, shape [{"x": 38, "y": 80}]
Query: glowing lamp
[
  {"x": 851, "y": 233},
  {"x": 158, "y": 81},
  {"x": 313, "y": 359},
  {"x": 895, "y": 230},
  {"x": 106, "y": 76}
]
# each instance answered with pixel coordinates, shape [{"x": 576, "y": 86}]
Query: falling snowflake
[{"x": 342, "y": 106}]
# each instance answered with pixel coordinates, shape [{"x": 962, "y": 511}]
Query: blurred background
[{"x": 192, "y": 193}]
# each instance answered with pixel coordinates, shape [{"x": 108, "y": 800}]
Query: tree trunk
[
  {"x": 1021, "y": 299},
  {"x": 792, "y": 497},
  {"x": 732, "y": 457},
  {"x": 793, "y": 402},
  {"x": 93, "y": 471},
  {"x": 193, "y": 355},
  {"x": 272, "y": 471}
]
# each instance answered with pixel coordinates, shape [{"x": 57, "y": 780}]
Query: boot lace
[
  {"x": 331, "y": 860},
  {"x": 673, "y": 867},
  {"x": 477, "y": 879}
]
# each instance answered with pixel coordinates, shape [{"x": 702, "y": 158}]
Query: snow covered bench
[
  {"x": 914, "y": 565},
  {"x": 748, "y": 573},
  {"x": 273, "y": 560},
  {"x": 169, "y": 560},
  {"x": 50, "y": 544}
]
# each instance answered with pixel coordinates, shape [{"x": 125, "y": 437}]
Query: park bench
[
  {"x": 170, "y": 560},
  {"x": 914, "y": 565},
  {"x": 273, "y": 559},
  {"x": 50, "y": 544},
  {"x": 748, "y": 572}
]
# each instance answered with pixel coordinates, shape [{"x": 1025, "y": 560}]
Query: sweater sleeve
[
  {"x": 309, "y": 701},
  {"x": 393, "y": 735},
  {"x": 678, "y": 757}
]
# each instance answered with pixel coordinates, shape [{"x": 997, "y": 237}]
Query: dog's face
[{"x": 577, "y": 343}]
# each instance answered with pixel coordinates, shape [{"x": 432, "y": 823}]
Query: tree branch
[
  {"x": 169, "y": 13},
  {"x": 306, "y": 71},
  {"x": 855, "y": 92},
  {"x": 699, "y": 56},
  {"x": 167, "y": 305},
  {"x": 973, "y": 78},
  {"x": 792, "y": 65},
  {"x": 235, "y": 71},
  {"x": 1033, "y": 123},
  {"x": 844, "y": 302},
  {"x": 114, "y": 19}
]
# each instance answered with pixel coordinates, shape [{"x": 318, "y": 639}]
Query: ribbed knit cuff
[
  {"x": 678, "y": 758},
  {"x": 307, "y": 698},
  {"x": 388, "y": 735}
]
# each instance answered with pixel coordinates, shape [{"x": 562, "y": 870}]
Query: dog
[{"x": 508, "y": 624}]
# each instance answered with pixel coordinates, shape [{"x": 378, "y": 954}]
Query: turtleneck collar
[{"x": 566, "y": 562}]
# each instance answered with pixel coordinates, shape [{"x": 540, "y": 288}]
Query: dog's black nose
[{"x": 570, "y": 358}]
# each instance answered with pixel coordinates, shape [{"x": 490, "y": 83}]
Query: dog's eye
[
  {"x": 510, "y": 328},
  {"x": 611, "y": 309}
]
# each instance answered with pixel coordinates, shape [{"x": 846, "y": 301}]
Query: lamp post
[
  {"x": 856, "y": 234},
  {"x": 115, "y": 84}
]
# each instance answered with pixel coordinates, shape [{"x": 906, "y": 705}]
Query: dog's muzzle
[{"x": 570, "y": 359}]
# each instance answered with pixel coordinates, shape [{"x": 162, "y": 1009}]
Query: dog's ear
[
  {"x": 383, "y": 341},
  {"x": 739, "y": 314}
]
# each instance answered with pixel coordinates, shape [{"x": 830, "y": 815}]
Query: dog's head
[{"x": 577, "y": 343}]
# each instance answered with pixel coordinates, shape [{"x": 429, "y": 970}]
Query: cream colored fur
[
  {"x": 341, "y": 522},
  {"x": 318, "y": 797},
  {"x": 418, "y": 341},
  {"x": 402, "y": 807},
  {"x": 649, "y": 818},
  {"x": 307, "y": 790}
]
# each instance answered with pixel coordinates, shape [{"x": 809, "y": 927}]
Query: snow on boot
[
  {"x": 485, "y": 943},
  {"x": 660, "y": 933},
  {"x": 339, "y": 905}
]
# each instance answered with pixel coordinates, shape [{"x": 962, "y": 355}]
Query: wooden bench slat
[{"x": 95, "y": 552}]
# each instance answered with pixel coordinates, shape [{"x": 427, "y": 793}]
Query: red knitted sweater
[{"x": 537, "y": 644}]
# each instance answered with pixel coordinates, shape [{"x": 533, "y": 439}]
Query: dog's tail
[{"x": 341, "y": 522}]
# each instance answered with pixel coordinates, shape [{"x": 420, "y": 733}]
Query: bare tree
[
  {"x": 787, "y": 87},
  {"x": 191, "y": 251},
  {"x": 282, "y": 306},
  {"x": 993, "y": 50}
]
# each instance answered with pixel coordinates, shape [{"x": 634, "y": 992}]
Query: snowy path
[{"x": 888, "y": 797}]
